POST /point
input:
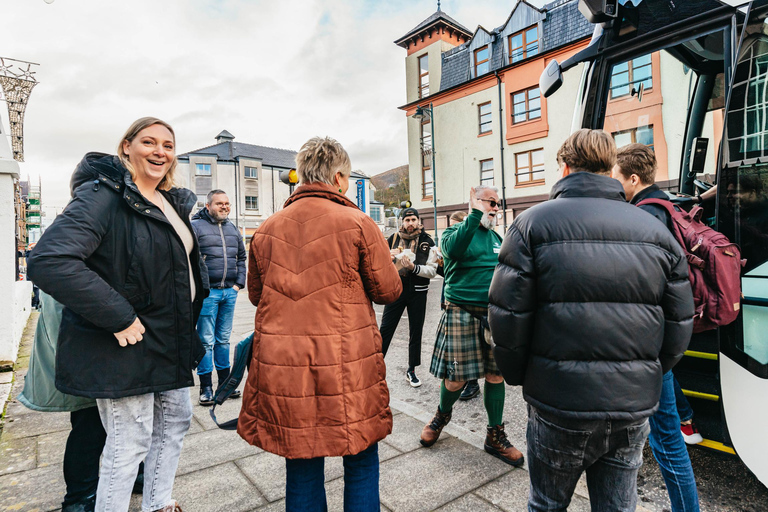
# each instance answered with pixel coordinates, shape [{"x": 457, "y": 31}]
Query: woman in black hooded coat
[{"x": 123, "y": 260}]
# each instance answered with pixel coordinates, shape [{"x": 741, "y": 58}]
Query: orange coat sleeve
[
  {"x": 381, "y": 280},
  {"x": 255, "y": 284}
]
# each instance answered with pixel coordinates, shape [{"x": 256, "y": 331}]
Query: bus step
[
  {"x": 702, "y": 396},
  {"x": 714, "y": 445}
]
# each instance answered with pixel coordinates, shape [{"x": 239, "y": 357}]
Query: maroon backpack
[{"x": 714, "y": 267}]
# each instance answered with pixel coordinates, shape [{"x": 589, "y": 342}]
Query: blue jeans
[
  {"x": 305, "y": 483},
  {"x": 215, "y": 327},
  {"x": 561, "y": 449},
  {"x": 670, "y": 451},
  {"x": 683, "y": 407}
]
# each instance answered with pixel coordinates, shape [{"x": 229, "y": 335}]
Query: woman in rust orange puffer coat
[{"x": 316, "y": 384}]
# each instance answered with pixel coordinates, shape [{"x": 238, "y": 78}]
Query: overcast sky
[{"x": 272, "y": 72}]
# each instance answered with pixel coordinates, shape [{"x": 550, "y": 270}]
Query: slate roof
[
  {"x": 563, "y": 24},
  {"x": 230, "y": 150},
  {"x": 434, "y": 18}
]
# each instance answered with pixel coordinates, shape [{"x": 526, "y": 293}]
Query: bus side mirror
[
  {"x": 551, "y": 79},
  {"x": 599, "y": 11}
]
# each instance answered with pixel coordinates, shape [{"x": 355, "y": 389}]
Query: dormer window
[
  {"x": 524, "y": 44},
  {"x": 482, "y": 60},
  {"x": 424, "y": 75}
]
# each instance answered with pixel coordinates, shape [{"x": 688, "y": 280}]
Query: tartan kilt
[{"x": 460, "y": 354}]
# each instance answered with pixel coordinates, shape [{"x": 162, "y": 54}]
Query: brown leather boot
[
  {"x": 497, "y": 444},
  {"x": 431, "y": 431}
]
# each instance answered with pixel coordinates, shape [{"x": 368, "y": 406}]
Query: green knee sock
[
  {"x": 448, "y": 398},
  {"x": 493, "y": 398}
]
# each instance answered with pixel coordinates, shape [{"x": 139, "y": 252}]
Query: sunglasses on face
[{"x": 492, "y": 202}]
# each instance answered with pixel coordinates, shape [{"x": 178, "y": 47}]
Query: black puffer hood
[
  {"x": 95, "y": 165},
  {"x": 588, "y": 184},
  {"x": 202, "y": 213}
]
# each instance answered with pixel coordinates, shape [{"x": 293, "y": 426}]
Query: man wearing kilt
[{"x": 462, "y": 351}]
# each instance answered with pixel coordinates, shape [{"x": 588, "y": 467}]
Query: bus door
[
  {"x": 742, "y": 210},
  {"x": 672, "y": 101}
]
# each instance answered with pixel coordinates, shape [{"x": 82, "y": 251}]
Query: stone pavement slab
[
  {"x": 18, "y": 455},
  {"x": 40, "y": 489},
  {"x": 428, "y": 478},
  {"x": 211, "y": 448},
  {"x": 469, "y": 503},
  {"x": 50, "y": 448},
  {"x": 219, "y": 488}
]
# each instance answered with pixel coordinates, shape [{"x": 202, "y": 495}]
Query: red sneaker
[{"x": 690, "y": 433}]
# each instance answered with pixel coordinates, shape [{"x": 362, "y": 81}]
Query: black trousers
[
  {"x": 416, "y": 303},
  {"x": 81, "y": 457}
]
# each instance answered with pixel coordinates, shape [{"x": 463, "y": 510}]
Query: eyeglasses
[{"x": 492, "y": 202}]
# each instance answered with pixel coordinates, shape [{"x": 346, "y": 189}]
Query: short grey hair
[
  {"x": 212, "y": 193},
  {"x": 480, "y": 188},
  {"x": 319, "y": 159}
]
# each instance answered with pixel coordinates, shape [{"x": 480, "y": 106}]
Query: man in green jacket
[{"x": 462, "y": 348}]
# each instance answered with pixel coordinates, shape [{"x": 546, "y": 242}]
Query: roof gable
[{"x": 230, "y": 150}]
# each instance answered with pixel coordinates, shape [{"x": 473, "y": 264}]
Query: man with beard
[
  {"x": 462, "y": 350},
  {"x": 224, "y": 253},
  {"x": 415, "y": 275}
]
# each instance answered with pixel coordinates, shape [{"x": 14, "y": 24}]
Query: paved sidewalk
[{"x": 220, "y": 471}]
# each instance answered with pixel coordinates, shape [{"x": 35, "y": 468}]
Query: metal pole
[
  {"x": 501, "y": 152},
  {"x": 434, "y": 183}
]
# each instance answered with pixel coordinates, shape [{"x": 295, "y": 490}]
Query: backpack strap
[{"x": 243, "y": 353}]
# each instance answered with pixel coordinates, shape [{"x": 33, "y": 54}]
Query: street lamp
[{"x": 421, "y": 113}]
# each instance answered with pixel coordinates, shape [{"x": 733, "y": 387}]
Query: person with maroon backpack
[{"x": 635, "y": 169}]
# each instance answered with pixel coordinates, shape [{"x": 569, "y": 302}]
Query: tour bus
[{"x": 689, "y": 78}]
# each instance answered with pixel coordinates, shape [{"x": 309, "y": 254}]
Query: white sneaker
[
  {"x": 413, "y": 380},
  {"x": 690, "y": 434}
]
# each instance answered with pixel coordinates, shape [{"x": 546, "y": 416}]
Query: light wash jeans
[
  {"x": 215, "y": 327},
  {"x": 149, "y": 428}
]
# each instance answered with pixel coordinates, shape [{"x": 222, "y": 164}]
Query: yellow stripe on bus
[
  {"x": 701, "y": 355},
  {"x": 703, "y": 396},
  {"x": 714, "y": 445}
]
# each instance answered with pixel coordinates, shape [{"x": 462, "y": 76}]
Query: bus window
[
  {"x": 648, "y": 103},
  {"x": 743, "y": 199}
]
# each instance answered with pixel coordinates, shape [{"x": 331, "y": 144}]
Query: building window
[
  {"x": 486, "y": 117},
  {"x": 203, "y": 169},
  {"x": 640, "y": 135},
  {"x": 426, "y": 158},
  {"x": 251, "y": 172},
  {"x": 376, "y": 214},
  {"x": 486, "y": 172},
  {"x": 629, "y": 75},
  {"x": 524, "y": 44},
  {"x": 251, "y": 202},
  {"x": 423, "y": 76},
  {"x": 482, "y": 60},
  {"x": 529, "y": 167},
  {"x": 201, "y": 200},
  {"x": 526, "y": 105}
]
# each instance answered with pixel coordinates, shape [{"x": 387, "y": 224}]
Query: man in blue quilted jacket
[
  {"x": 590, "y": 305},
  {"x": 224, "y": 253}
]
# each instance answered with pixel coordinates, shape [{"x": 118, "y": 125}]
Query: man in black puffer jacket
[
  {"x": 589, "y": 306},
  {"x": 224, "y": 253}
]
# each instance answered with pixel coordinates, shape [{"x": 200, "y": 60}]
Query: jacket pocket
[{"x": 141, "y": 302}]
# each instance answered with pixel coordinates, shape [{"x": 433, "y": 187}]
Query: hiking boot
[
  {"x": 497, "y": 444},
  {"x": 432, "y": 430},
  {"x": 413, "y": 380},
  {"x": 171, "y": 507},
  {"x": 470, "y": 391},
  {"x": 690, "y": 433},
  {"x": 206, "y": 395}
]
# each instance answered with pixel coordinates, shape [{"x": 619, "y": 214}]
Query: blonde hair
[
  {"x": 140, "y": 124},
  {"x": 319, "y": 159},
  {"x": 588, "y": 151}
]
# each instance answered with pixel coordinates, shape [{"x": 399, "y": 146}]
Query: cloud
[{"x": 272, "y": 73}]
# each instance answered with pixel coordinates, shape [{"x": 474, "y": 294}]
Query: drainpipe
[
  {"x": 272, "y": 175},
  {"x": 237, "y": 194},
  {"x": 501, "y": 152}
]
